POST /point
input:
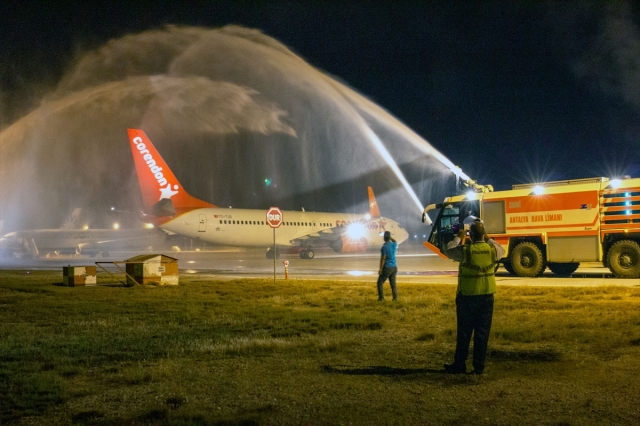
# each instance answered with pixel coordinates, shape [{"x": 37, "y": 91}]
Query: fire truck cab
[{"x": 552, "y": 224}]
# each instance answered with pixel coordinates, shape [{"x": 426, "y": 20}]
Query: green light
[{"x": 267, "y": 182}]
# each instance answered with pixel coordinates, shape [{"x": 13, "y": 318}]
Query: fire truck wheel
[
  {"x": 508, "y": 267},
  {"x": 310, "y": 254},
  {"x": 303, "y": 254},
  {"x": 624, "y": 259},
  {"x": 527, "y": 260},
  {"x": 563, "y": 269}
]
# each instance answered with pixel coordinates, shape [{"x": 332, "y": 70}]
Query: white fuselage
[{"x": 244, "y": 227}]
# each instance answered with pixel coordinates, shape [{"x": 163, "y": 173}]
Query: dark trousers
[
  {"x": 474, "y": 315},
  {"x": 388, "y": 272}
]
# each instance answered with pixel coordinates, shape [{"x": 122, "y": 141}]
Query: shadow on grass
[
  {"x": 523, "y": 355},
  {"x": 377, "y": 370}
]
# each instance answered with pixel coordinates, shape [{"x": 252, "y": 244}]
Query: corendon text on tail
[
  {"x": 148, "y": 158},
  {"x": 171, "y": 208}
]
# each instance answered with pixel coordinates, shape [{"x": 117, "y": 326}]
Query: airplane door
[{"x": 202, "y": 223}]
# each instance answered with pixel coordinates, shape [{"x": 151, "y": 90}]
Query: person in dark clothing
[
  {"x": 474, "y": 298},
  {"x": 388, "y": 267}
]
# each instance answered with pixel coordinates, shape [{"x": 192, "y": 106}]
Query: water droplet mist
[{"x": 225, "y": 107}]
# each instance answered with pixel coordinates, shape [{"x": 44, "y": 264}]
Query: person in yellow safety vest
[{"x": 474, "y": 298}]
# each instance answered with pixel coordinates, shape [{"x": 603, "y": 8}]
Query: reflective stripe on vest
[{"x": 476, "y": 274}]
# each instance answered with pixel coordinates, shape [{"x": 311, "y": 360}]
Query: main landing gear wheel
[
  {"x": 307, "y": 254},
  {"x": 624, "y": 259},
  {"x": 563, "y": 269},
  {"x": 527, "y": 260}
]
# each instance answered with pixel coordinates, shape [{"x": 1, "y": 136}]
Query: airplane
[
  {"x": 68, "y": 240},
  {"x": 169, "y": 207}
]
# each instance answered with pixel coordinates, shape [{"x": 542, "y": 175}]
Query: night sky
[{"x": 511, "y": 92}]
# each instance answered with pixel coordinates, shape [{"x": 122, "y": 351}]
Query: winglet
[
  {"x": 157, "y": 182},
  {"x": 374, "y": 211}
]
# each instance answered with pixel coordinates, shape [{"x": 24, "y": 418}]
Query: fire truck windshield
[{"x": 449, "y": 221}]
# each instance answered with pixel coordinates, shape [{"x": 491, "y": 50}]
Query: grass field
[{"x": 309, "y": 352}]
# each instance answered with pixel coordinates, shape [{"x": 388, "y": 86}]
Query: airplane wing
[{"x": 322, "y": 238}]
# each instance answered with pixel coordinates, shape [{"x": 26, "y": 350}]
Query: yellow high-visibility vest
[{"x": 476, "y": 274}]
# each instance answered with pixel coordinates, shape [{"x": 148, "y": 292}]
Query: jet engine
[{"x": 346, "y": 244}]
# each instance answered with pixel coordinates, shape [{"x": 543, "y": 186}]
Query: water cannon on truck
[{"x": 550, "y": 224}]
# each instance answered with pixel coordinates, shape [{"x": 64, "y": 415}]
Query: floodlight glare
[
  {"x": 472, "y": 195},
  {"x": 538, "y": 189},
  {"x": 615, "y": 183},
  {"x": 356, "y": 231}
]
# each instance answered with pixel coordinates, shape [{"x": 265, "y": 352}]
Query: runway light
[
  {"x": 148, "y": 225},
  {"x": 359, "y": 273},
  {"x": 356, "y": 231},
  {"x": 113, "y": 208},
  {"x": 538, "y": 189},
  {"x": 85, "y": 227},
  {"x": 267, "y": 182},
  {"x": 116, "y": 226}
]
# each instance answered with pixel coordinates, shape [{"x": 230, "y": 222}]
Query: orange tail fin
[
  {"x": 158, "y": 184},
  {"x": 374, "y": 211}
]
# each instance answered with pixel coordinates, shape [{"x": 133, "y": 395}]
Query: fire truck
[{"x": 553, "y": 224}]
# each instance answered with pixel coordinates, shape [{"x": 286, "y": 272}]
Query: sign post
[{"x": 274, "y": 220}]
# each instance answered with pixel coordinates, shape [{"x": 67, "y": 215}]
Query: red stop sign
[{"x": 274, "y": 217}]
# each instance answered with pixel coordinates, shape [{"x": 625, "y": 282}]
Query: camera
[{"x": 457, "y": 228}]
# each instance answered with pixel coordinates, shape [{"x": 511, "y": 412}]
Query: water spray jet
[{"x": 261, "y": 109}]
